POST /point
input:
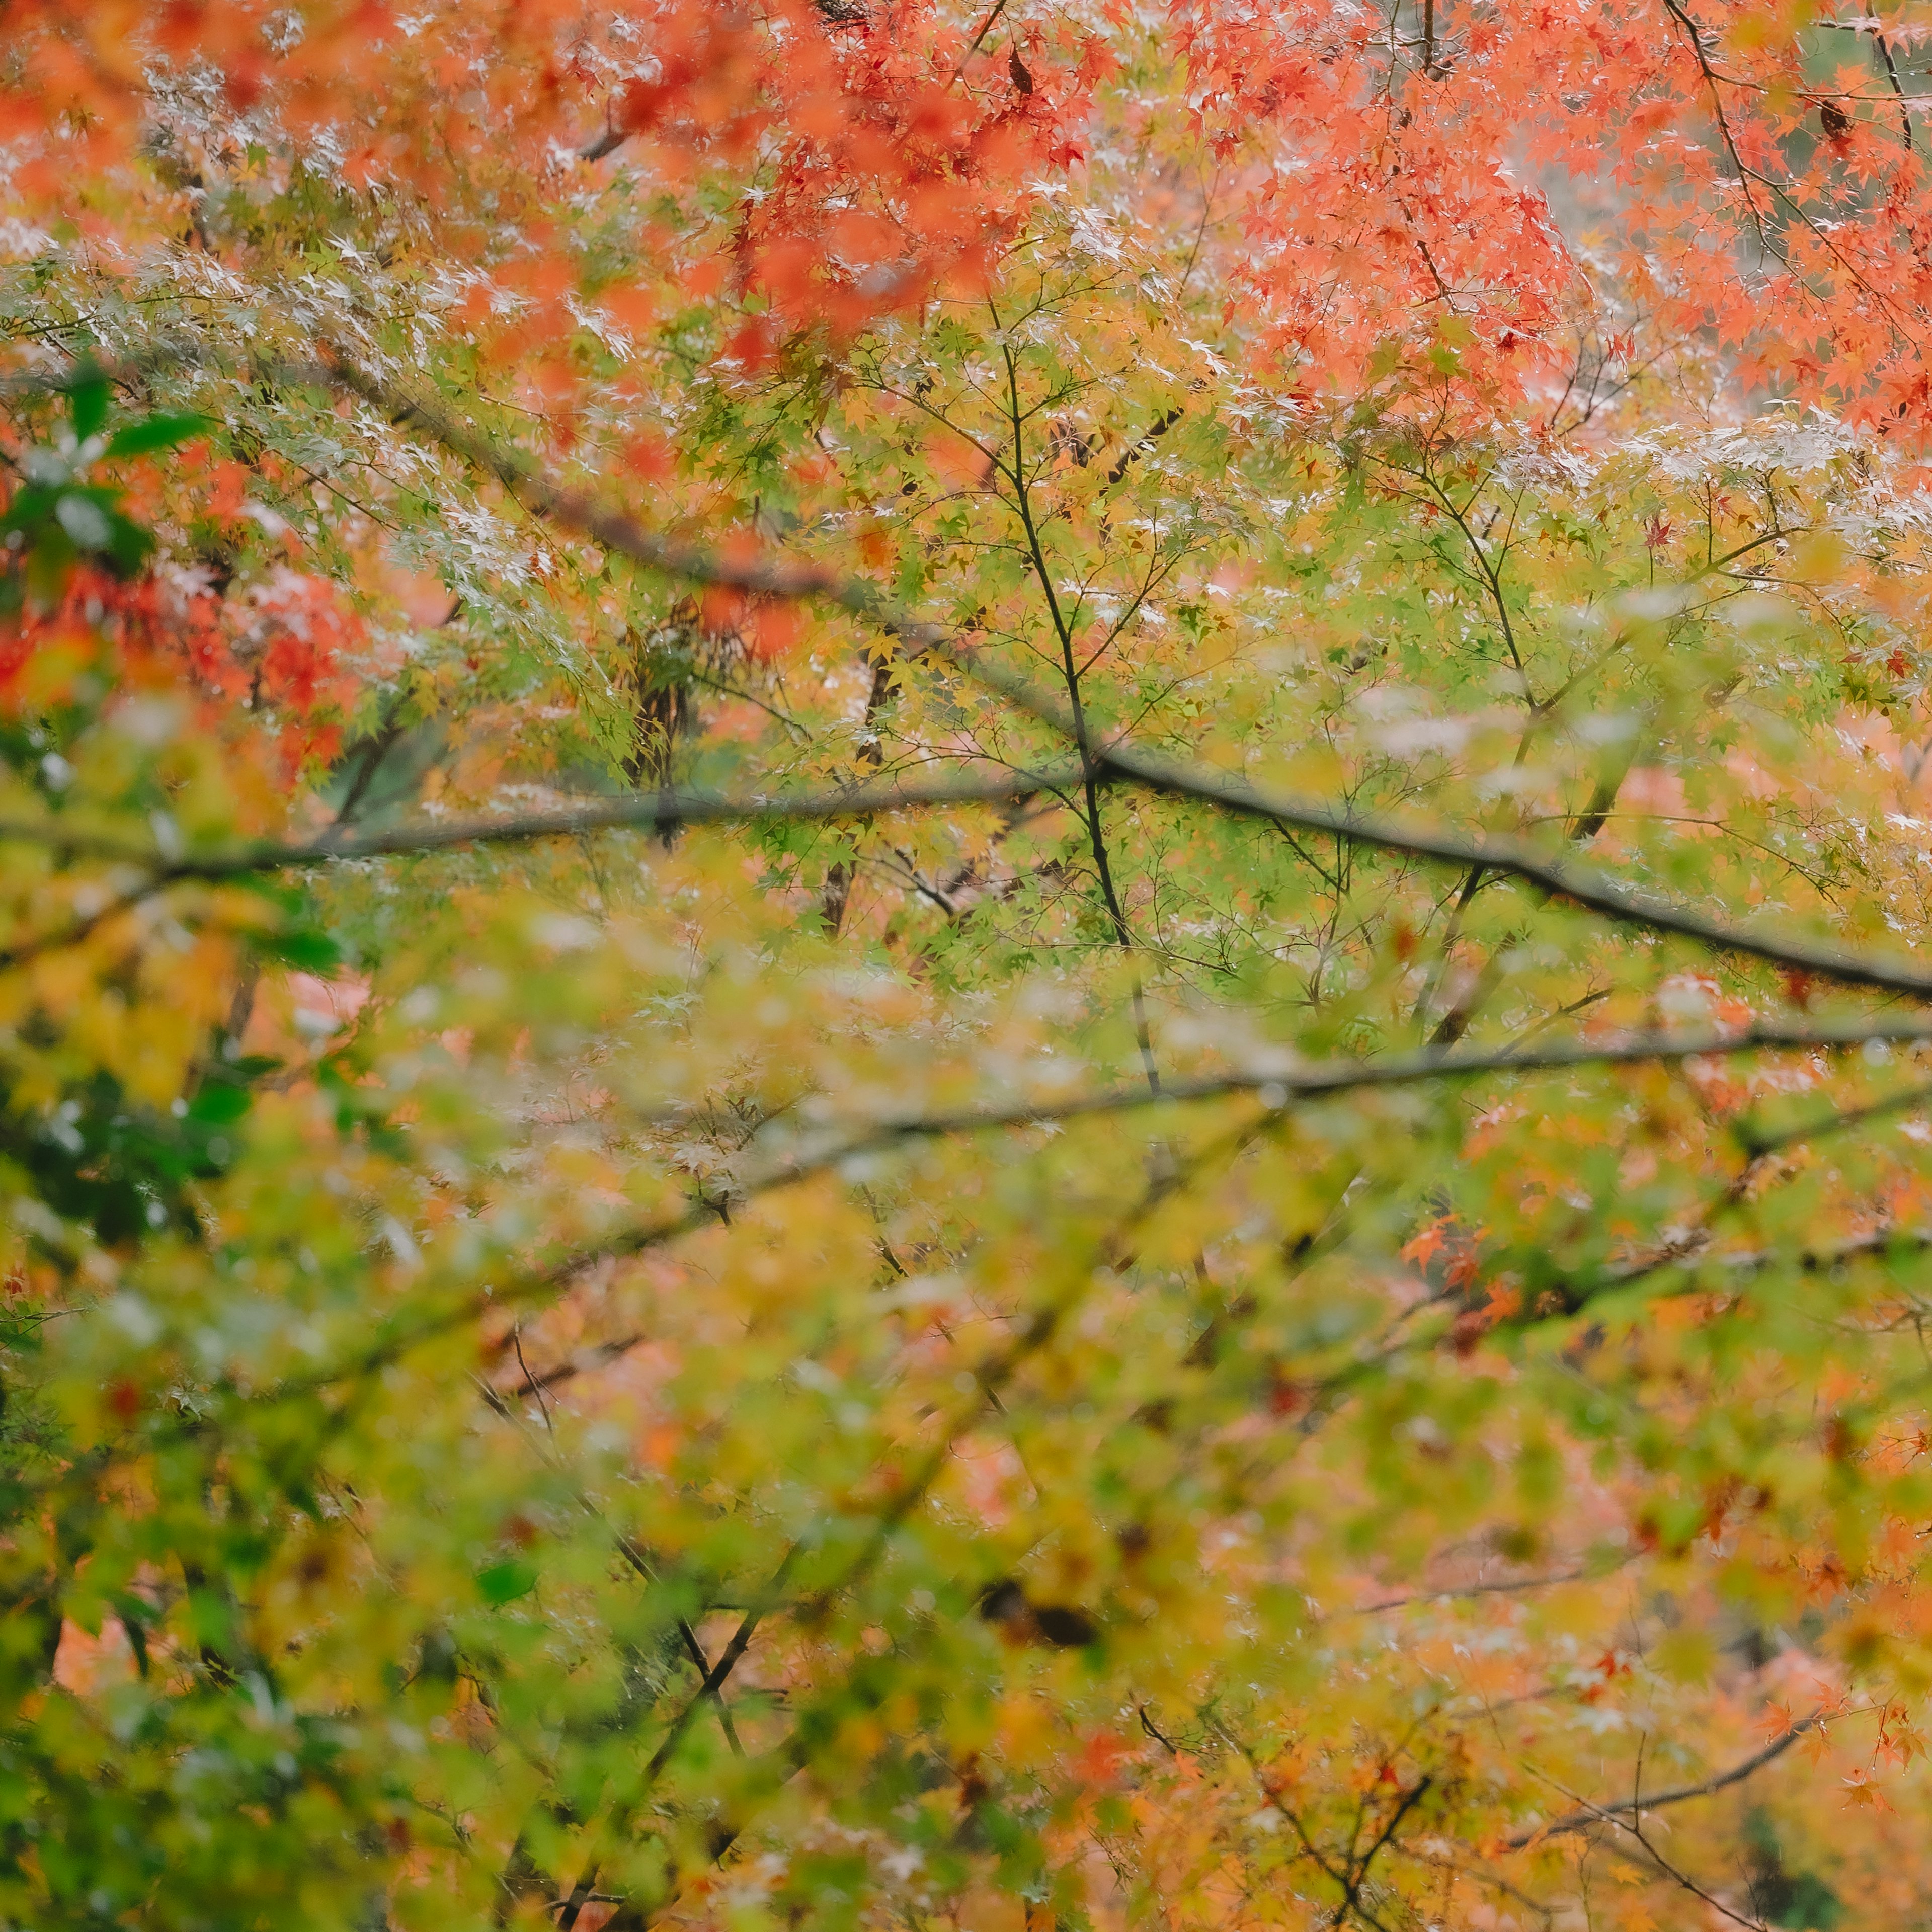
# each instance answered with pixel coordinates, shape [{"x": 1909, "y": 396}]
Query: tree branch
[
  {"x": 683, "y": 808},
  {"x": 1090, "y": 772},
  {"x": 1597, "y": 891},
  {"x": 1228, "y": 792},
  {"x": 1586, "y": 1816}
]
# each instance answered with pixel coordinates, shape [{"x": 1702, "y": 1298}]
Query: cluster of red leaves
[
  {"x": 1391, "y": 185},
  {"x": 1395, "y": 211},
  {"x": 1379, "y": 214},
  {"x": 78, "y": 85},
  {"x": 884, "y": 172},
  {"x": 274, "y": 651},
  {"x": 868, "y": 153}
]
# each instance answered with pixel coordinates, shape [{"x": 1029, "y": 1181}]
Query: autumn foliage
[{"x": 964, "y": 967}]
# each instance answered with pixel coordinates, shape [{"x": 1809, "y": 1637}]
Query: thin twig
[
  {"x": 1228, "y": 792},
  {"x": 1587, "y": 1815}
]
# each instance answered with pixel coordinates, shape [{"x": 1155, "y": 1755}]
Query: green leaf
[
  {"x": 218, "y": 1103},
  {"x": 156, "y": 432},
  {"x": 128, "y": 543},
  {"x": 87, "y": 398},
  {"x": 505, "y": 1583},
  {"x": 307, "y": 948}
]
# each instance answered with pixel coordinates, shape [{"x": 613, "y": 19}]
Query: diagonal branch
[
  {"x": 1070, "y": 671},
  {"x": 1585, "y": 1816},
  {"x": 984, "y": 1383},
  {"x": 1359, "y": 1876},
  {"x": 764, "y": 576},
  {"x": 1597, "y": 891},
  {"x": 1278, "y": 1090}
]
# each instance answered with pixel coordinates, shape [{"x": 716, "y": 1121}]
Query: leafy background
[{"x": 960, "y": 968}]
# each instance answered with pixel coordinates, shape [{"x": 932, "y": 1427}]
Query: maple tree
[{"x": 959, "y": 965}]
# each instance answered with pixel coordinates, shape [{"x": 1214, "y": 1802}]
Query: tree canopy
[{"x": 961, "y": 966}]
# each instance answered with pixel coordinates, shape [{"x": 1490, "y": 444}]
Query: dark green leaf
[
  {"x": 87, "y": 399},
  {"x": 157, "y": 432},
  {"x": 505, "y": 1583}
]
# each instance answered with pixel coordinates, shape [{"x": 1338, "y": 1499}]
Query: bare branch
[
  {"x": 1597, "y": 891},
  {"x": 1582, "y": 1819},
  {"x": 1455, "y": 1594},
  {"x": 1561, "y": 878},
  {"x": 1277, "y": 1090},
  {"x": 660, "y": 808}
]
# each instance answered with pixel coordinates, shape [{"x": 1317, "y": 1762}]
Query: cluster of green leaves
[{"x": 57, "y": 519}]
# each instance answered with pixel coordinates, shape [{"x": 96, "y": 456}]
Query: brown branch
[
  {"x": 1597, "y": 891},
  {"x": 1898, "y": 87},
  {"x": 832, "y": 902},
  {"x": 710, "y": 1687},
  {"x": 1745, "y": 176},
  {"x": 1454, "y": 1594},
  {"x": 1090, "y": 772},
  {"x": 1358, "y": 1877},
  {"x": 1278, "y": 1091},
  {"x": 1275, "y": 1797},
  {"x": 987, "y": 1378},
  {"x": 640, "y": 1565},
  {"x": 1229, "y": 792},
  {"x": 1634, "y": 1826},
  {"x": 1585, "y": 1816},
  {"x": 683, "y": 808},
  {"x": 613, "y": 138},
  {"x": 978, "y": 40}
]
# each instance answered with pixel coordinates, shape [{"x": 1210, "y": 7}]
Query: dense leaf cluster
[{"x": 963, "y": 970}]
